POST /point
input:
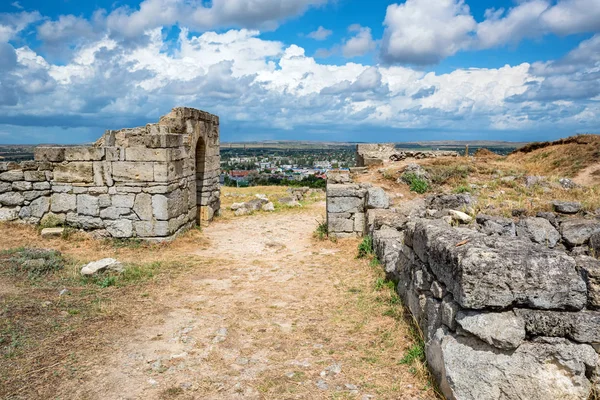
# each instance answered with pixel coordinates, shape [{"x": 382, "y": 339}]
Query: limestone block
[
  {"x": 146, "y": 229},
  {"x": 160, "y": 207},
  {"x": 120, "y": 229},
  {"x": 123, "y": 200},
  {"x": 84, "y": 221},
  {"x": 449, "y": 311},
  {"x": 498, "y": 271},
  {"x": 387, "y": 243},
  {"x": 96, "y": 190},
  {"x": 51, "y": 154},
  {"x": 34, "y": 176},
  {"x": 34, "y": 194},
  {"x": 41, "y": 186},
  {"x": 124, "y": 171},
  {"x": 104, "y": 200},
  {"x": 52, "y": 233},
  {"x": 74, "y": 172},
  {"x": 80, "y": 189},
  {"x": 24, "y": 213},
  {"x": 377, "y": 198},
  {"x": 114, "y": 213},
  {"x": 63, "y": 202},
  {"x": 114, "y": 154},
  {"x": 145, "y": 154},
  {"x": 22, "y": 186},
  {"x": 103, "y": 173},
  {"x": 11, "y": 199},
  {"x": 359, "y": 223},
  {"x": 84, "y": 153},
  {"x": 581, "y": 326},
  {"x": 12, "y": 176},
  {"x": 160, "y": 189},
  {"x": 345, "y": 204},
  {"x": 88, "y": 205},
  {"x": 503, "y": 330},
  {"x": 143, "y": 207},
  {"x": 5, "y": 187},
  {"x": 58, "y": 188},
  {"x": 590, "y": 268},
  {"x": 9, "y": 214},
  {"x": 39, "y": 207},
  {"x": 340, "y": 225}
]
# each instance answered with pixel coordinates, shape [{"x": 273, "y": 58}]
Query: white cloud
[
  {"x": 17, "y": 5},
  {"x": 66, "y": 27},
  {"x": 426, "y": 31},
  {"x": 200, "y": 15},
  {"x": 360, "y": 44},
  {"x": 12, "y": 24},
  {"x": 320, "y": 34}
]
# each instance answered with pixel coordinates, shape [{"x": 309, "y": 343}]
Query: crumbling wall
[
  {"x": 378, "y": 153},
  {"x": 502, "y": 315},
  {"x": 140, "y": 182}
]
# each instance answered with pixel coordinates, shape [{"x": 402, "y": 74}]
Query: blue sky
[{"x": 333, "y": 70}]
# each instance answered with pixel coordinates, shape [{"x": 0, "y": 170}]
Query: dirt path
[
  {"x": 276, "y": 314},
  {"x": 588, "y": 176}
]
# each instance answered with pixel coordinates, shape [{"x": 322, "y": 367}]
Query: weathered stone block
[
  {"x": 114, "y": 213},
  {"x": 120, "y": 229},
  {"x": 590, "y": 269},
  {"x": 88, "y": 205},
  {"x": 84, "y": 221},
  {"x": 39, "y": 207},
  {"x": 34, "y": 194},
  {"x": 63, "y": 202},
  {"x": 74, "y": 172},
  {"x": 498, "y": 271},
  {"x": 5, "y": 187},
  {"x": 84, "y": 153},
  {"x": 22, "y": 186},
  {"x": 143, "y": 207},
  {"x": 12, "y": 176},
  {"x": 124, "y": 171},
  {"x": 123, "y": 200},
  {"x": 345, "y": 204},
  {"x": 340, "y": 225},
  {"x": 539, "y": 230},
  {"x": 147, "y": 229},
  {"x": 145, "y": 154},
  {"x": 11, "y": 199},
  {"x": 41, "y": 186},
  {"x": 377, "y": 198},
  {"x": 34, "y": 176},
  {"x": 466, "y": 368},
  {"x": 160, "y": 207},
  {"x": 8, "y": 214},
  {"x": 582, "y": 326},
  {"x": 503, "y": 330},
  {"x": 51, "y": 154}
]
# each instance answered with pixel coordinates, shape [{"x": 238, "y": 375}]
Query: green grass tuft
[{"x": 365, "y": 248}]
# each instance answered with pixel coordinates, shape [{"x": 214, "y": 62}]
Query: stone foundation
[
  {"x": 150, "y": 182},
  {"x": 378, "y": 153}
]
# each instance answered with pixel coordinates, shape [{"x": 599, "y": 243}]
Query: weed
[
  {"x": 34, "y": 262},
  {"x": 375, "y": 262},
  {"x": 51, "y": 221},
  {"x": 365, "y": 248},
  {"x": 415, "y": 353},
  {"x": 322, "y": 230},
  {"x": 382, "y": 283},
  {"x": 108, "y": 281},
  {"x": 462, "y": 189},
  {"x": 443, "y": 174}
]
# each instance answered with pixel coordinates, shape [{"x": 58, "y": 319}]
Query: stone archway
[{"x": 201, "y": 198}]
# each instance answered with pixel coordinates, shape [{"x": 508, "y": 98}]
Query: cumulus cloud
[
  {"x": 320, "y": 34},
  {"x": 360, "y": 44},
  {"x": 200, "y": 15},
  {"x": 426, "y": 31},
  {"x": 12, "y": 24}
]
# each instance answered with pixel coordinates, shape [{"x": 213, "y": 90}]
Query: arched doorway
[{"x": 201, "y": 198}]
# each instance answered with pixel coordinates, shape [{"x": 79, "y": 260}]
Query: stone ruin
[
  {"x": 151, "y": 182},
  {"x": 508, "y": 310},
  {"x": 380, "y": 153}
]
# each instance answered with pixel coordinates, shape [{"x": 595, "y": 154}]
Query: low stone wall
[
  {"x": 377, "y": 153},
  {"x": 146, "y": 182},
  {"x": 503, "y": 317}
]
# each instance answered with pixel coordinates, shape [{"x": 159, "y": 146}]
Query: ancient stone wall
[
  {"x": 507, "y": 310},
  {"x": 150, "y": 182},
  {"x": 378, "y": 153}
]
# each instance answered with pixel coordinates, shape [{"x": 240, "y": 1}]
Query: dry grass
[
  {"x": 562, "y": 158},
  {"x": 231, "y": 195}
]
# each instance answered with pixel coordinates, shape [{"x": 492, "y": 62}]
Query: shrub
[
  {"x": 416, "y": 183},
  {"x": 462, "y": 189},
  {"x": 33, "y": 262}
]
